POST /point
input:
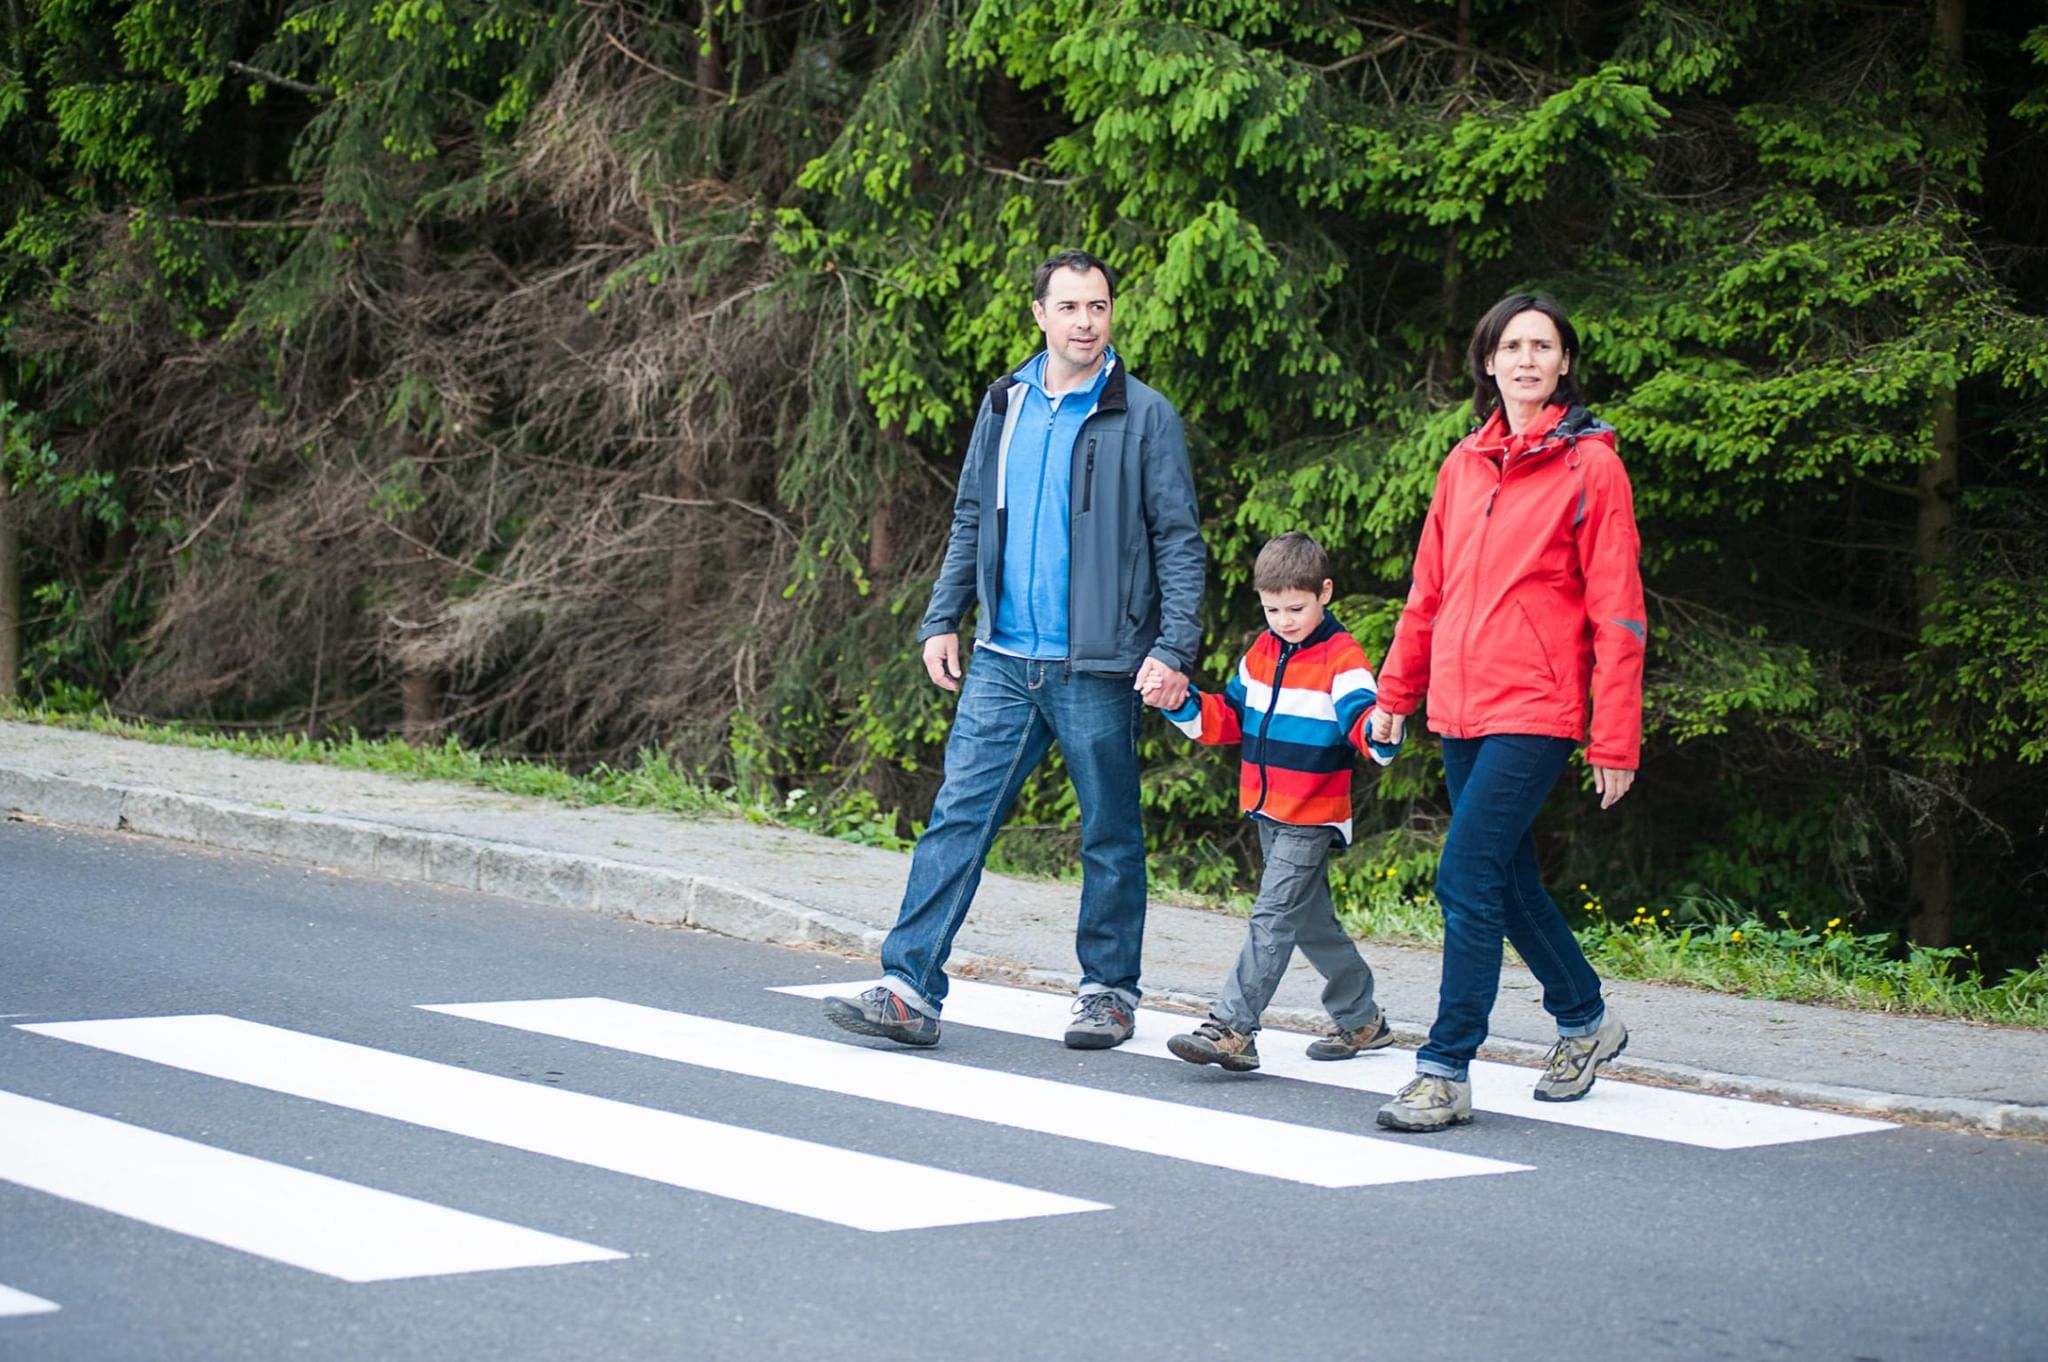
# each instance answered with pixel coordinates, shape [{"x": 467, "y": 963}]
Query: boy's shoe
[
  {"x": 1430, "y": 1102},
  {"x": 1101, "y": 1020},
  {"x": 1342, "y": 1044},
  {"x": 879, "y": 1012},
  {"x": 1568, "y": 1071},
  {"x": 1214, "y": 1043}
]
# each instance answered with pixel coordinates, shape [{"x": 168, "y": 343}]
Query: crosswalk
[
  {"x": 1616, "y": 1108},
  {"x": 361, "y": 1234},
  {"x": 13, "y": 1302}
]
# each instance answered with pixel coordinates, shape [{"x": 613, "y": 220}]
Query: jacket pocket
[{"x": 1539, "y": 643}]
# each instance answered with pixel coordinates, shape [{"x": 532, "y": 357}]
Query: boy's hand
[
  {"x": 1160, "y": 685},
  {"x": 1386, "y": 728}
]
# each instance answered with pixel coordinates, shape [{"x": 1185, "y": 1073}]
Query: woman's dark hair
[
  {"x": 1486, "y": 339},
  {"x": 1080, "y": 262}
]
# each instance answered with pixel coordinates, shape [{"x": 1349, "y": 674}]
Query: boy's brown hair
[{"x": 1291, "y": 562}]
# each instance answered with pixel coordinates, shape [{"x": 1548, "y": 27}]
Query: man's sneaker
[
  {"x": 1430, "y": 1102},
  {"x": 879, "y": 1012},
  {"x": 1214, "y": 1043},
  {"x": 1342, "y": 1044},
  {"x": 1101, "y": 1020},
  {"x": 1568, "y": 1071}
]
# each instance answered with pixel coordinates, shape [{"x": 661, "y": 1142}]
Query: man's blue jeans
[
  {"x": 1489, "y": 887},
  {"x": 1011, "y": 711}
]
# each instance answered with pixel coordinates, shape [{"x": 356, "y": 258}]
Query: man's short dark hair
[
  {"x": 1078, "y": 261},
  {"x": 1291, "y": 562},
  {"x": 1486, "y": 339}
]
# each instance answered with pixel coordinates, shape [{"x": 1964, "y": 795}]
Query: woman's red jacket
[{"x": 1527, "y": 598}]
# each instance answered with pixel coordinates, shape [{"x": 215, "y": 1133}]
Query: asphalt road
[{"x": 686, "y": 1222}]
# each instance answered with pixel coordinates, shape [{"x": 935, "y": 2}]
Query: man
[{"x": 1075, "y": 533}]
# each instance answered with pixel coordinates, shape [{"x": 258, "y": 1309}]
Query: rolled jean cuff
[
  {"x": 1430, "y": 1066},
  {"x": 1130, "y": 999},
  {"x": 1582, "y": 1031},
  {"x": 902, "y": 989}
]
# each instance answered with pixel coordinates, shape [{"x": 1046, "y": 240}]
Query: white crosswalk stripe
[
  {"x": 1614, "y": 1106},
  {"x": 322, "y": 1224},
  {"x": 13, "y": 1302},
  {"x": 1221, "y": 1139},
  {"x": 862, "y": 1191}
]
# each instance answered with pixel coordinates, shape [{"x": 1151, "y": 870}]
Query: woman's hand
[{"x": 1612, "y": 783}]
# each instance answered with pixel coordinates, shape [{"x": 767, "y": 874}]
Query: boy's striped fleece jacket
[{"x": 1299, "y": 709}]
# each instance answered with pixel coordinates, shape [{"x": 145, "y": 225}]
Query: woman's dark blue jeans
[{"x": 1489, "y": 887}]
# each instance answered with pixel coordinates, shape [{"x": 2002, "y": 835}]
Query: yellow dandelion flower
[
  {"x": 1735, "y": 935},
  {"x": 1667, "y": 912},
  {"x": 1834, "y": 922}
]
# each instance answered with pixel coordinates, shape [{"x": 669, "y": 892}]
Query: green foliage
[{"x": 613, "y": 364}]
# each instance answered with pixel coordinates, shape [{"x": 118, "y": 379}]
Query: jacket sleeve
[
  {"x": 1174, "y": 527},
  {"x": 1608, "y": 554},
  {"x": 1210, "y": 719},
  {"x": 1352, "y": 695},
  {"x": 1404, "y": 677},
  {"x": 953, "y": 592}
]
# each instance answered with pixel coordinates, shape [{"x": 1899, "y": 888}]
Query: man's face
[{"x": 1074, "y": 314}]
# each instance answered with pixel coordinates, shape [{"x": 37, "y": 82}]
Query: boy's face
[{"x": 1294, "y": 614}]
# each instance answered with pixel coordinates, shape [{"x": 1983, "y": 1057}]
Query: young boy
[{"x": 1299, "y": 705}]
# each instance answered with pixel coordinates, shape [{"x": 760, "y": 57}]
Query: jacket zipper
[
  {"x": 1478, "y": 581},
  {"x": 1088, "y": 479},
  {"x": 1074, "y": 545},
  {"x": 1272, "y": 703}
]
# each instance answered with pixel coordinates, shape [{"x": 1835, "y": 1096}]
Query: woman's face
[{"x": 1527, "y": 362}]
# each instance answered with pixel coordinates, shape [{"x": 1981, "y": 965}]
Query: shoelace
[
  {"x": 1096, "y": 1007},
  {"x": 1567, "y": 1057},
  {"x": 1427, "y": 1090}
]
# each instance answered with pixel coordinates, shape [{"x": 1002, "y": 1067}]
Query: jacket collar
[
  {"x": 1561, "y": 427},
  {"x": 1325, "y": 628},
  {"x": 1112, "y": 397}
]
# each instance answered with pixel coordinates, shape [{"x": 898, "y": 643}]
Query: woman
[{"x": 1525, "y": 599}]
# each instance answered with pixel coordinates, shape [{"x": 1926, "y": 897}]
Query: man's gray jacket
[{"x": 1134, "y": 536}]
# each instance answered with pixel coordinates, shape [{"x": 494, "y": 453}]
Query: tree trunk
[
  {"x": 10, "y": 575},
  {"x": 1931, "y": 881},
  {"x": 882, "y": 524},
  {"x": 1448, "y": 359},
  {"x": 420, "y": 688}
]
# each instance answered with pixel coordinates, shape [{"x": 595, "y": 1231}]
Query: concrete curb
[
  {"x": 651, "y": 894},
  {"x": 549, "y": 878}
]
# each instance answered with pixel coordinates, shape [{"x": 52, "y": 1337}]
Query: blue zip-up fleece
[
  {"x": 1035, "y": 484},
  {"x": 1134, "y": 559}
]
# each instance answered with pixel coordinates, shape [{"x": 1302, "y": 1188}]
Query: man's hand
[
  {"x": 1161, "y": 685},
  {"x": 1386, "y": 729},
  {"x": 942, "y": 660},
  {"x": 1611, "y": 782}
]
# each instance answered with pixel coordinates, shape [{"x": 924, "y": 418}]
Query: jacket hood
[{"x": 1560, "y": 427}]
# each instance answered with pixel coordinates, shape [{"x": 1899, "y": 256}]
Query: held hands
[
  {"x": 1611, "y": 782},
  {"x": 1386, "y": 729},
  {"x": 1160, "y": 685},
  {"x": 942, "y": 660}
]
